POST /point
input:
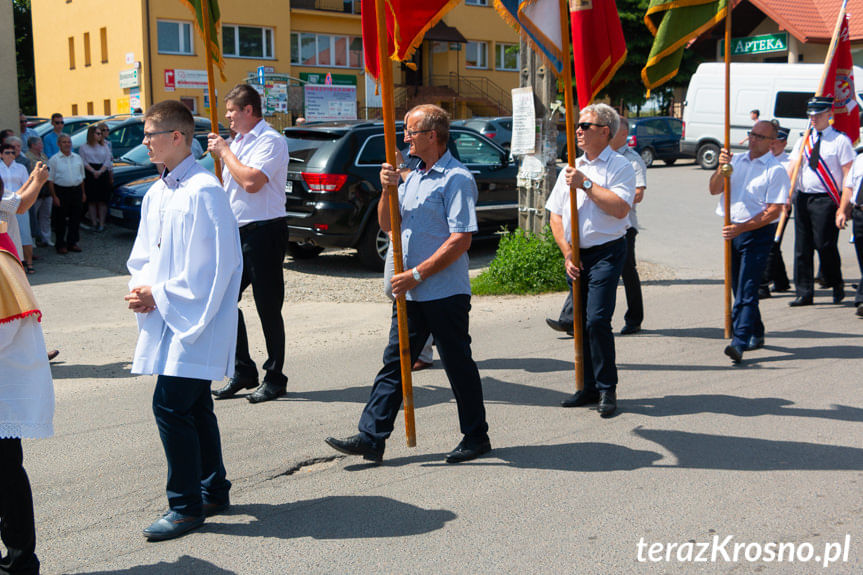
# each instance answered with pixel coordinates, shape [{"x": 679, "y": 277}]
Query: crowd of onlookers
[{"x": 76, "y": 194}]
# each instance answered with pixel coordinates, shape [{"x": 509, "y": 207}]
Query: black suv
[
  {"x": 656, "y": 138},
  {"x": 334, "y": 186}
]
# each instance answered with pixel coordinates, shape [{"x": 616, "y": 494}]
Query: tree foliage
[{"x": 24, "y": 56}]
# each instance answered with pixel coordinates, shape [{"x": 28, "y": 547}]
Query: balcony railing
[{"x": 346, "y": 6}]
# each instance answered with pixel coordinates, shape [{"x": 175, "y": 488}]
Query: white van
[{"x": 778, "y": 91}]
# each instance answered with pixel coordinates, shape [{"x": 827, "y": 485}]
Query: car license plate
[
  {"x": 289, "y": 187},
  {"x": 116, "y": 213}
]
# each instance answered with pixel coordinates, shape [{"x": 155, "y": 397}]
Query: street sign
[
  {"x": 170, "y": 83},
  {"x": 129, "y": 79},
  {"x": 757, "y": 44}
]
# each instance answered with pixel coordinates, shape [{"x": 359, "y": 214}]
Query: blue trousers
[
  {"x": 447, "y": 321},
  {"x": 190, "y": 435},
  {"x": 600, "y": 274},
  {"x": 749, "y": 253}
]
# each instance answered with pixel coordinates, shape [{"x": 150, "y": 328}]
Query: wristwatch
[
  {"x": 586, "y": 185},
  {"x": 416, "y": 274}
]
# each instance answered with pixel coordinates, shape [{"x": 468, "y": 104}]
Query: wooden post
[
  {"x": 577, "y": 331},
  {"x": 386, "y": 78},
  {"x": 211, "y": 85},
  {"x": 726, "y": 169}
]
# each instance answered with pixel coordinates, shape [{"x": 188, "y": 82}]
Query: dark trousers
[
  {"x": 632, "y": 283},
  {"x": 17, "y": 527},
  {"x": 774, "y": 271},
  {"x": 70, "y": 208},
  {"x": 447, "y": 320},
  {"x": 749, "y": 253},
  {"x": 815, "y": 230},
  {"x": 190, "y": 435},
  {"x": 601, "y": 269},
  {"x": 857, "y": 226},
  {"x": 264, "y": 245}
]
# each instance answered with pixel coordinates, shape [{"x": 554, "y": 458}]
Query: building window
[
  {"x": 476, "y": 55},
  {"x": 174, "y": 37},
  {"x": 71, "y": 53},
  {"x": 190, "y": 102},
  {"x": 103, "y": 36},
  {"x": 86, "y": 48},
  {"x": 247, "y": 42},
  {"x": 90, "y": 108},
  {"x": 476, "y": 2},
  {"x": 106, "y": 106},
  {"x": 506, "y": 56},
  {"x": 74, "y": 109},
  {"x": 326, "y": 50}
]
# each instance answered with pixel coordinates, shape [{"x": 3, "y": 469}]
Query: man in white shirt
[
  {"x": 759, "y": 189},
  {"x": 186, "y": 267},
  {"x": 775, "y": 272},
  {"x": 825, "y": 164},
  {"x": 67, "y": 190},
  {"x": 254, "y": 174},
  {"x": 851, "y": 207},
  {"x": 605, "y": 185},
  {"x": 18, "y": 200}
]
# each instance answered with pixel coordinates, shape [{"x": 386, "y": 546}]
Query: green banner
[{"x": 757, "y": 44}]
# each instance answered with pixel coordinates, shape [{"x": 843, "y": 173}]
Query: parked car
[
  {"x": 126, "y": 132},
  {"x": 71, "y": 124},
  {"x": 657, "y": 138},
  {"x": 125, "y": 206},
  {"x": 498, "y": 130},
  {"x": 333, "y": 186}
]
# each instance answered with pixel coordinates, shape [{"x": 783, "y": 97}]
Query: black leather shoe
[
  {"x": 468, "y": 449},
  {"x": 629, "y": 329},
  {"x": 755, "y": 343},
  {"x": 799, "y": 301},
  {"x": 580, "y": 398},
  {"x": 234, "y": 385},
  {"x": 267, "y": 392},
  {"x": 763, "y": 293},
  {"x": 781, "y": 288},
  {"x": 211, "y": 509},
  {"x": 859, "y": 311},
  {"x": 734, "y": 352},
  {"x": 356, "y": 445},
  {"x": 838, "y": 294},
  {"x": 172, "y": 525},
  {"x": 558, "y": 326},
  {"x": 607, "y": 403}
]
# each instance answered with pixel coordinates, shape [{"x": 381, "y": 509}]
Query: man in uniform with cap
[
  {"x": 775, "y": 270},
  {"x": 826, "y": 161},
  {"x": 851, "y": 207}
]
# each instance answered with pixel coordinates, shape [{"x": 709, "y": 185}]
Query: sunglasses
[
  {"x": 585, "y": 126},
  {"x": 752, "y": 134}
]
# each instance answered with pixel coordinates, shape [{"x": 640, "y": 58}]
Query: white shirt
[
  {"x": 97, "y": 154},
  {"x": 264, "y": 149},
  {"x": 855, "y": 176},
  {"x": 754, "y": 184},
  {"x": 836, "y": 150},
  {"x": 188, "y": 251},
  {"x": 640, "y": 178},
  {"x": 609, "y": 170},
  {"x": 66, "y": 171},
  {"x": 14, "y": 178}
]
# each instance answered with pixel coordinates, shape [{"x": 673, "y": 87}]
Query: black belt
[{"x": 255, "y": 225}]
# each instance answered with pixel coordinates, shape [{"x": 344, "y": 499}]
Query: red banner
[
  {"x": 407, "y": 23},
  {"x": 839, "y": 83},
  {"x": 598, "y": 46}
]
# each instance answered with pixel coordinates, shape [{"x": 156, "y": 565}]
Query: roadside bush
[{"x": 525, "y": 263}]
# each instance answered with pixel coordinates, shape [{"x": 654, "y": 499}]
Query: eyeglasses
[
  {"x": 752, "y": 134},
  {"x": 585, "y": 126},
  {"x": 149, "y": 135},
  {"x": 58, "y": 122},
  {"x": 9, "y": 153},
  {"x": 413, "y": 133}
]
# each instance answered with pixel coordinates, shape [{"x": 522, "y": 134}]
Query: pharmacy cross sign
[{"x": 757, "y": 44}]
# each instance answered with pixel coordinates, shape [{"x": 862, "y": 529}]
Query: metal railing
[
  {"x": 476, "y": 87},
  {"x": 348, "y": 6}
]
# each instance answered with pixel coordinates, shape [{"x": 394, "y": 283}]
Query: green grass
[{"x": 525, "y": 263}]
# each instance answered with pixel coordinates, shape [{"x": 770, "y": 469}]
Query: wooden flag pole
[
  {"x": 211, "y": 85},
  {"x": 831, "y": 51},
  {"x": 577, "y": 330},
  {"x": 386, "y": 78},
  {"x": 726, "y": 169}
]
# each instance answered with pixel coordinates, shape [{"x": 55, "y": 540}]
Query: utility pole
[{"x": 535, "y": 186}]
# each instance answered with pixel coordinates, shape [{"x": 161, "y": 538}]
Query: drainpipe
[{"x": 149, "y": 54}]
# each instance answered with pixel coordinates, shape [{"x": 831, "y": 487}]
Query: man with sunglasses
[
  {"x": 759, "y": 189},
  {"x": 826, "y": 161},
  {"x": 605, "y": 183},
  {"x": 50, "y": 139}
]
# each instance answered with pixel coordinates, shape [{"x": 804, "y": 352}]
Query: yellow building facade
[{"x": 97, "y": 57}]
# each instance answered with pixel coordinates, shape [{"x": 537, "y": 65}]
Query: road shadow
[
  {"x": 186, "y": 565},
  {"x": 704, "y": 451},
  {"x": 334, "y": 518},
  {"x": 116, "y": 370},
  {"x": 675, "y": 405},
  {"x": 528, "y": 364},
  {"x": 683, "y": 282}
]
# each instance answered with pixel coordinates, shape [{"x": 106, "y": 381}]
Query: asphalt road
[{"x": 765, "y": 453}]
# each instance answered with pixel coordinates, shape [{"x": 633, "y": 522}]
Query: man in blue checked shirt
[{"x": 438, "y": 211}]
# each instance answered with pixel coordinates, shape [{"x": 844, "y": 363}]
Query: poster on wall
[{"x": 325, "y": 102}]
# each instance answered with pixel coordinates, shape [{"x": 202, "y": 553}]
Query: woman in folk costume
[{"x": 26, "y": 406}]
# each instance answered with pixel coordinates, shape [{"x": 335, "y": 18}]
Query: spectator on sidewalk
[{"x": 68, "y": 193}]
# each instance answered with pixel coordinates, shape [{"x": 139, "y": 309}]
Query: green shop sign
[{"x": 757, "y": 44}]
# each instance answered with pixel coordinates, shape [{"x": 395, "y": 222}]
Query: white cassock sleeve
[
  {"x": 188, "y": 301},
  {"x": 139, "y": 260}
]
